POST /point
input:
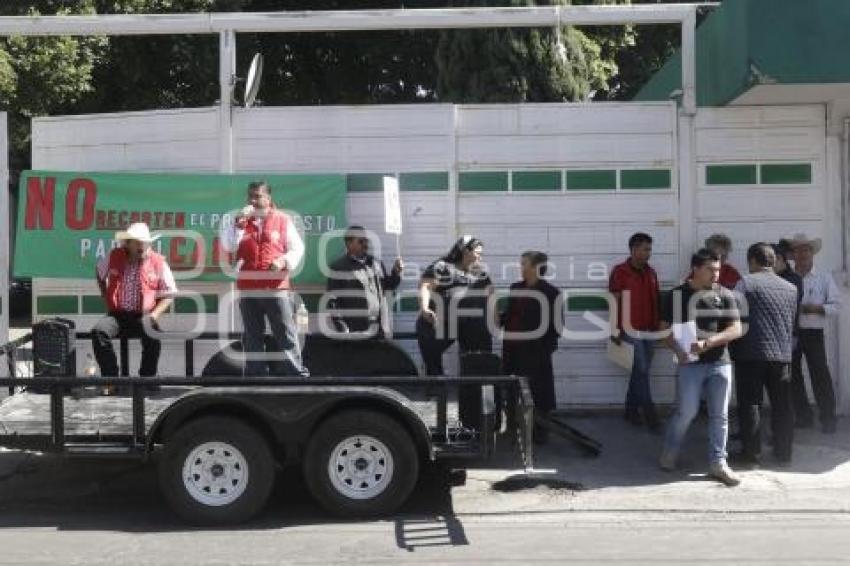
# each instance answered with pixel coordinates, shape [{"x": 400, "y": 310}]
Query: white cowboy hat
[
  {"x": 801, "y": 239},
  {"x": 138, "y": 231}
]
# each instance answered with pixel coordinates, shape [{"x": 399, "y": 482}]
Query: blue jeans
[
  {"x": 716, "y": 379},
  {"x": 639, "y": 394}
]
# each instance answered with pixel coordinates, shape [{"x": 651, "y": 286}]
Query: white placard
[{"x": 392, "y": 206}]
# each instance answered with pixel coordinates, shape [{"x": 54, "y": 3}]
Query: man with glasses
[{"x": 357, "y": 284}]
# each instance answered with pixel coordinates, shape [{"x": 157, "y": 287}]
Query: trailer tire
[
  {"x": 216, "y": 470},
  {"x": 361, "y": 463}
]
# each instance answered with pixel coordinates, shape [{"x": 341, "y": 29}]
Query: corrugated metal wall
[{"x": 574, "y": 180}]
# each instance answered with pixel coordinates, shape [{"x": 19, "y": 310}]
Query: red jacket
[
  {"x": 729, "y": 276},
  {"x": 258, "y": 249},
  {"x": 151, "y": 274}
]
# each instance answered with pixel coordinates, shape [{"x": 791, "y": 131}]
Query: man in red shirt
[
  {"x": 268, "y": 249},
  {"x": 634, "y": 283}
]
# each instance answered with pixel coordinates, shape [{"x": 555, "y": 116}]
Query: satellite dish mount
[{"x": 252, "y": 82}]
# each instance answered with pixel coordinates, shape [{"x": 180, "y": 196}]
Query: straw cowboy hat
[
  {"x": 138, "y": 231},
  {"x": 802, "y": 240}
]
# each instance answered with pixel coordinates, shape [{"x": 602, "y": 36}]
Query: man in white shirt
[
  {"x": 268, "y": 249},
  {"x": 821, "y": 299}
]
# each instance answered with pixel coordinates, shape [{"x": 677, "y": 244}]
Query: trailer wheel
[
  {"x": 361, "y": 463},
  {"x": 216, "y": 470}
]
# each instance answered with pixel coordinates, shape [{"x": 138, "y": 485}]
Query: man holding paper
[{"x": 703, "y": 318}]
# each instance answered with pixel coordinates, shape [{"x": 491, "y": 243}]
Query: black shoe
[
  {"x": 633, "y": 416},
  {"x": 744, "y": 460},
  {"x": 828, "y": 427},
  {"x": 540, "y": 436},
  {"x": 653, "y": 423},
  {"x": 782, "y": 461}
]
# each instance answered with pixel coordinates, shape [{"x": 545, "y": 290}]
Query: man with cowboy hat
[
  {"x": 138, "y": 288},
  {"x": 821, "y": 299}
]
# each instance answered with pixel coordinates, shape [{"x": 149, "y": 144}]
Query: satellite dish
[{"x": 252, "y": 83}]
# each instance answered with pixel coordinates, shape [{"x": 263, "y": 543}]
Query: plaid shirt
[{"x": 131, "y": 287}]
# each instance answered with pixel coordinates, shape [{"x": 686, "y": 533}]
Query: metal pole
[
  {"x": 4, "y": 234},
  {"x": 226, "y": 77},
  {"x": 845, "y": 198},
  {"x": 346, "y": 20},
  {"x": 844, "y": 320},
  {"x": 689, "y": 72},
  {"x": 226, "y": 81}
]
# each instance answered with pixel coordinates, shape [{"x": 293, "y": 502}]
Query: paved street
[{"x": 617, "y": 508}]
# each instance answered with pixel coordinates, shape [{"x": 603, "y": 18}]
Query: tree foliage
[
  {"x": 39, "y": 76},
  {"x": 527, "y": 65},
  {"x": 66, "y": 75}
]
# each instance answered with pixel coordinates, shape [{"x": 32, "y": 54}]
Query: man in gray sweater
[{"x": 763, "y": 355}]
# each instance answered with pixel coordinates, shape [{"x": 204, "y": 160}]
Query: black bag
[{"x": 53, "y": 348}]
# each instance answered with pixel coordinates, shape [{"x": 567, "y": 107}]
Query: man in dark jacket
[
  {"x": 763, "y": 355},
  {"x": 783, "y": 251},
  {"x": 356, "y": 285},
  {"x": 532, "y": 324}
]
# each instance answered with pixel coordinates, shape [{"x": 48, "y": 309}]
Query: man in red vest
[
  {"x": 138, "y": 288},
  {"x": 267, "y": 248}
]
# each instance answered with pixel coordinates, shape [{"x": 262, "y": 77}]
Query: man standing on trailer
[
  {"x": 268, "y": 249},
  {"x": 138, "y": 288},
  {"x": 357, "y": 284}
]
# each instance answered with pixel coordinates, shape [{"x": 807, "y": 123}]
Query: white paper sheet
[
  {"x": 622, "y": 354},
  {"x": 685, "y": 335}
]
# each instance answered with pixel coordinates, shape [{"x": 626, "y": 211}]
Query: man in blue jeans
[
  {"x": 634, "y": 284},
  {"x": 705, "y": 365}
]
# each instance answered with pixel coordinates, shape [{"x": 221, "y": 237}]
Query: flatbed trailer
[{"x": 360, "y": 440}]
